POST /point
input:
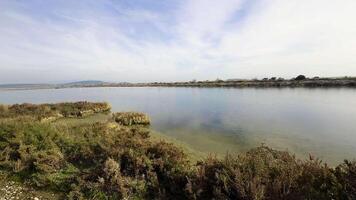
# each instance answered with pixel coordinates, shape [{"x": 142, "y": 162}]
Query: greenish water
[{"x": 218, "y": 120}]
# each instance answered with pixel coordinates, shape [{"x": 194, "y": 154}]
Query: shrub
[
  {"x": 346, "y": 175},
  {"x": 317, "y": 181},
  {"x": 261, "y": 173},
  {"x": 131, "y": 118},
  {"x": 300, "y": 78}
]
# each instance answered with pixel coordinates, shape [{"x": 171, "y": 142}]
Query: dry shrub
[{"x": 131, "y": 118}]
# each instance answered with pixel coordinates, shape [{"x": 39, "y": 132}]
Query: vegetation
[
  {"x": 300, "y": 78},
  {"x": 130, "y": 118},
  {"x": 299, "y": 81},
  {"x": 109, "y": 160},
  {"x": 53, "y": 111}
]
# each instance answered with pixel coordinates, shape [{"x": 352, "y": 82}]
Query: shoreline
[{"x": 265, "y": 83}]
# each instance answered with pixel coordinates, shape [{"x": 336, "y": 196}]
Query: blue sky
[{"x": 174, "y": 40}]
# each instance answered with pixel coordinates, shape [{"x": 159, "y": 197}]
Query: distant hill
[
  {"x": 86, "y": 83},
  {"x": 48, "y": 86}
]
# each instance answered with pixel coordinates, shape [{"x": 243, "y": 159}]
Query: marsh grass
[
  {"x": 42, "y": 111},
  {"x": 131, "y": 118}
]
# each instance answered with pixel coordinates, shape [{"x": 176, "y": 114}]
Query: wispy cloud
[{"x": 146, "y": 40}]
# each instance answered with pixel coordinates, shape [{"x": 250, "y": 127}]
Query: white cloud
[
  {"x": 201, "y": 39},
  {"x": 288, "y": 37},
  {"x": 201, "y": 22}
]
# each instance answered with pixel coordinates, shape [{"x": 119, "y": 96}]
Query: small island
[{"x": 83, "y": 151}]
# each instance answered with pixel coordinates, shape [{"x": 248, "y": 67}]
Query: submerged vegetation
[{"x": 117, "y": 159}]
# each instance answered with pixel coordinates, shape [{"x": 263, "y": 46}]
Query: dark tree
[{"x": 300, "y": 77}]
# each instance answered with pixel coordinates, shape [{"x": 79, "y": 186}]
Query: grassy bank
[{"x": 84, "y": 152}]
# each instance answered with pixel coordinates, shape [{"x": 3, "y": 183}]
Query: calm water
[{"x": 317, "y": 121}]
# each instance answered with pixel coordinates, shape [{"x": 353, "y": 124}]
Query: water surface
[{"x": 317, "y": 121}]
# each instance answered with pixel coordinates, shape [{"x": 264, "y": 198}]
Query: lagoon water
[{"x": 321, "y": 122}]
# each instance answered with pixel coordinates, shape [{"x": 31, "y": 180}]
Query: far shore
[{"x": 298, "y": 82}]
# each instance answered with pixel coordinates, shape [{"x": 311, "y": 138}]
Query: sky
[{"x": 51, "y": 41}]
